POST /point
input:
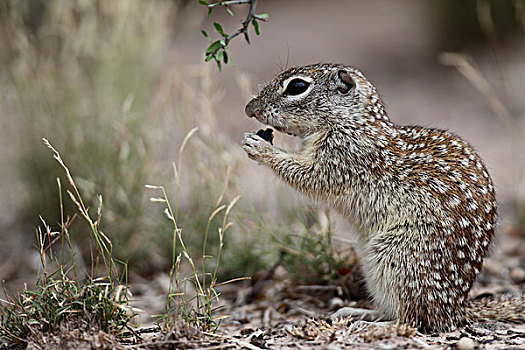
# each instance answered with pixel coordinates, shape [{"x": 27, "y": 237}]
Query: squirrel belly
[{"x": 421, "y": 199}]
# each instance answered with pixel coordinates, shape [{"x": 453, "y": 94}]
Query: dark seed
[{"x": 266, "y": 135}]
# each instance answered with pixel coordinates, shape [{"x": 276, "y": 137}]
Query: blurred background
[{"x": 116, "y": 85}]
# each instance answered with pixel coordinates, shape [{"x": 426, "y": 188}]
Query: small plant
[
  {"x": 310, "y": 256},
  {"x": 217, "y": 50},
  {"x": 61, "y": 298},
  {"x": 197, "y": 310}
]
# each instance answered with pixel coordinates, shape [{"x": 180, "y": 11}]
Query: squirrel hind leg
[{"x": 359, "y": 314}]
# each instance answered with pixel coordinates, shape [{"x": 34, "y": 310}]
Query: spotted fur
[{"x": 421, "y": 199}]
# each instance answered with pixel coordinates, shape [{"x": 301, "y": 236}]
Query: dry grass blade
[
  {"x": 186, "y": 139},
  {"x": 233, "y": 280},
  {"x": 103, "y": 243},
  {"x": 225, "y": 187},
  {"x": 465, "y": 65}
]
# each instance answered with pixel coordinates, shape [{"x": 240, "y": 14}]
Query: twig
[
  {"x": 316, "y": 288},
  {"x": 228, "y": 3},
  {"x": 244, "y": 29},
  {"x": 244, "y": 344},
  {"x": 421, "y": 342},
  {"x": 154, "y": 329}
]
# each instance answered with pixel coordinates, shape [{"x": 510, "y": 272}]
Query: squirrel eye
[{"x": 296, "y": 87}]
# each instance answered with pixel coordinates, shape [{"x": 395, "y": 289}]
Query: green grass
[
  {"x": 198, "y": 310},
  {"x": 60, "y": 300},
  {"x": 62, "y": 296},
  {"x": 309, "y": 255},
  {"x": 100, "y": 299}
]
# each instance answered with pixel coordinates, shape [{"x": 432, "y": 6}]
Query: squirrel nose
[{"x": 251, "y": 108}]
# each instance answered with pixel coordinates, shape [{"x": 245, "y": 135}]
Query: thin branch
[
  {"x": 228, "y": 3},
  {"x": 244, "y": 29}
]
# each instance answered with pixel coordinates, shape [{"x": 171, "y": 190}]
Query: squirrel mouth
[
  {"x": 272, "y": 123},
  {"x": 278, "y": 125},
  {"x": 252, "y": 111},
  {"x": 267, "y": 134}
]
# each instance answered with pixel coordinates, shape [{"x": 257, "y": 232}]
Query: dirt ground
[
  {"x": 286, "y": 315},
  {"x": 283, "y": 314},
  {"x": 278, "y": 313}
]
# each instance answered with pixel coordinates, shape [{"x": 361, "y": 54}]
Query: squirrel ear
[{"x": 345, "y": 82}]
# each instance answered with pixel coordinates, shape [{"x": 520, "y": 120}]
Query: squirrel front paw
[{"x": 255, "y": 146}]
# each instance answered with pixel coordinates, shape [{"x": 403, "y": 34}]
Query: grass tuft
[
  {"x": 59, "y": 300},
  {"x": 310, "y": 256},
  {"x": 60, "y": 296}
]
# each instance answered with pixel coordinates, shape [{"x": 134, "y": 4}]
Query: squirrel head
[{"x": 304, "y": 100}]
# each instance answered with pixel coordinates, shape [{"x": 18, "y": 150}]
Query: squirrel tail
[{"x": 507, "y": 308}]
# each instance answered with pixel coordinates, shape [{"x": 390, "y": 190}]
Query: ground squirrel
[{"x": 421, "y": 199}]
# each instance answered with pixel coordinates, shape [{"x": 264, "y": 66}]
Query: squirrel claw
[{"x": 255, "y": 146}]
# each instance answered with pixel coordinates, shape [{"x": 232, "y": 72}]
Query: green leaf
[
  {"x": 204, "y": 33},
  {"x": 203, "y": 2},
  {"x": 263, "y": 16},
  {"x": 218, "y": 65},
  {"x": 219, "y": 55},
  {"x": 229, "y": 11},
  {"x": 219, "y": 29},
  {"x": 213, "y": 46},
  {"x": 208, "y": 58},
  {"x": 209, "y": 11},
  {"x": 225, "y": 57},
  {"x": 255, "y": 26}
]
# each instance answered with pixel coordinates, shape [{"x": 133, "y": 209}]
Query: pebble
[
  {"x": 465, "y": 344},
  {"x": 335, "y": 303},
  {"x": 517, "y": 275}
]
